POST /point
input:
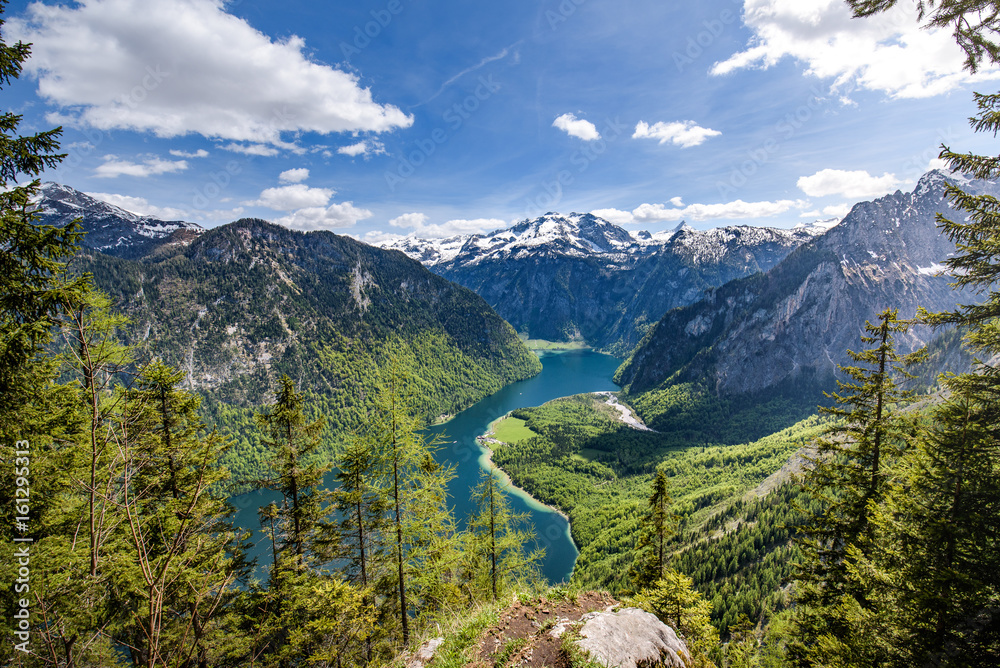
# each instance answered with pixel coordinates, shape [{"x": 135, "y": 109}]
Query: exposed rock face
[
  {"x": 799, "y": 319},
  {"x": 580, "y": 276},
  {"x": 631, "y": 638}
]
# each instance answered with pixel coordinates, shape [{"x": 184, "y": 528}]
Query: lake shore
[{"x": 486, "y": 463}]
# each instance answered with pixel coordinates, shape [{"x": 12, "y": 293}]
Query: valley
[{"x": 478, "y": 335}]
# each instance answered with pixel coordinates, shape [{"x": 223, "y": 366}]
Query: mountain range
[
  {"x": 795, "y": 323},
  {"x": 580, "y": 277},
  {"x": 737, "y": 310}
]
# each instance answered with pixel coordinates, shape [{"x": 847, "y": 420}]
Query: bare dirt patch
[{"x": 530, "y": 634}]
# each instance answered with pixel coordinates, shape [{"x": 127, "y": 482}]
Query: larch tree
[
  {"x": 292, "y": 442},
  {"x": 422, "y": 536},
  {"x": 184, "y": 555},
  {"x": 359, "y": 538},
  {"x": 499, "y": 537}
]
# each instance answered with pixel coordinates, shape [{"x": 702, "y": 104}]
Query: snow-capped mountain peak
[
  {"x": 581, "y": 235},
  {"x": 109, "y": 228}
]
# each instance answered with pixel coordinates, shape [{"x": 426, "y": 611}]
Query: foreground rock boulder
[{"x": 631, "y": 638}]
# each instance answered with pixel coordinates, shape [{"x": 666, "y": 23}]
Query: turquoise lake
[{"x": 563, "y": 374}]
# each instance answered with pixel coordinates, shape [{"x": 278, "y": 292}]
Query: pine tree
[
  {"x": 938, "y": 572},
  {"x": 35, "y": 285},
  {"x": 848, "y": 480},
  {"x": 295, "y": 526},
  {"x": 944, "y": 513},
  {"x": 361, "y": 501},
  {"x": 36, "y": 412},
  {"x": 679, "y": 605},
  {"x": 498, "y": 539},
  {"x": 658, "y": 525},
  {"x": 334, "y": 619}
]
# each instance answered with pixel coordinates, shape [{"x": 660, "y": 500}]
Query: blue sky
[{"x": 394, "y": 117}]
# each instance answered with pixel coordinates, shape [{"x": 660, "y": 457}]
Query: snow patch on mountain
[
  {"x": 585, "y": 235},
  {"x": 108, "y": 227}
]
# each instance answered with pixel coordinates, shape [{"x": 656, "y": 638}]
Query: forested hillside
[
  {"x": 734, "y": 542},
  {"x": 250, "y": 301}
]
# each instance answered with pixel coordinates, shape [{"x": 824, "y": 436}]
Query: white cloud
[
  {"x": 833, "y": 211},
  {"x": 577, "y": 127},
  {"x": 288, "y": 198},
  {"x": 252, "y": 149},
  {"x": 679, "y": 133},
  {"x": 937, "y": 163},
  {"x": 677, "y": 201},
  {"x": 354, "y": 149},
  {"x": 174, "y": 67},
  {"x": 738, "y": 209},
  {"x": 858, "y": 183},
  {"x": 364, "y": 148},
  {"x": 200, "y": 153},
  {"x": 889, "y": 52},
  {"x": 334, "y": 216},
  {"x": 837, "y": 210},
  {"x": 616, "y": 216},
  {"x": 417, "y": 222},
  {"x": 414, "y": 220},
  {"x": 140, "y": 206},
  {"x": 294, "y": 175},
  {"x": 113, "y": 167},
  {"x": 216, "y": 215}
]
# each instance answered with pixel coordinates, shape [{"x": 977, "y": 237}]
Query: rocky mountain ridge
[
  {"x": 797, "y": 320},
  {"x": 111, "y": 229},
  {"x": 582, "y": 277}
]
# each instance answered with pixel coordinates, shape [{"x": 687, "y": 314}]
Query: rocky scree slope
[
  {"x": 581, "y": 277},
  {"x": 796, "y": 322}
]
